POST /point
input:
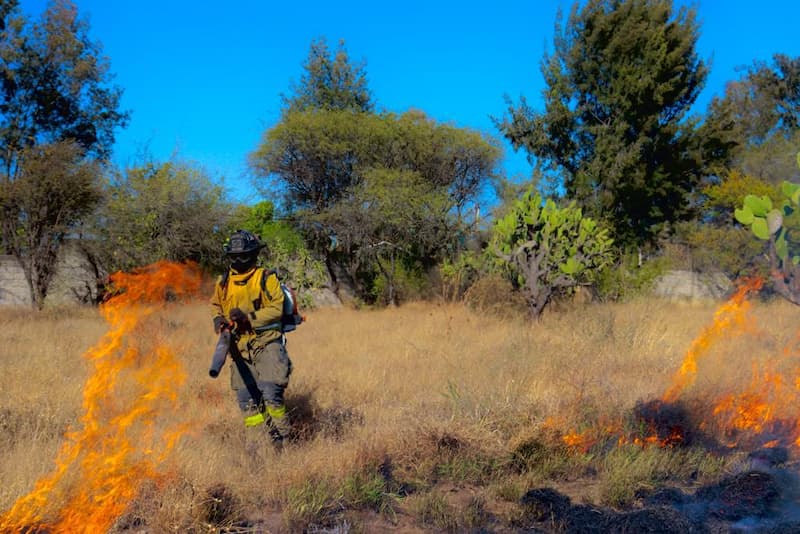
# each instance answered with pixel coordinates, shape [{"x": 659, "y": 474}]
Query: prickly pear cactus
[
  {"x": 767, "y": 220},
  {"x": 548, "y": 248}
]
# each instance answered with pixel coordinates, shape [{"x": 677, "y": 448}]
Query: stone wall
[
  {"x": 13, "y": 287},
  {"x": 688, "y": 285},
  {"x": 74, "y": 282}
]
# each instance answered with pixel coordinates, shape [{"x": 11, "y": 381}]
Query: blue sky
[{"x": 203, "y": 79}]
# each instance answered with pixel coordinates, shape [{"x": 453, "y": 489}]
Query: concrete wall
[
  {"x": 13, "y": 287},
  {"x": 74, "y": 280}
]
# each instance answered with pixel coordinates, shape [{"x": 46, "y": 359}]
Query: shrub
[
  {"x": 408, "y": 283},
  {"x": 627, "y": 279},
  {"x": 494, "y": 295}
]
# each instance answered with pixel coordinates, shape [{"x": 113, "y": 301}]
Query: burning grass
[{"x": 397, "y": 411}]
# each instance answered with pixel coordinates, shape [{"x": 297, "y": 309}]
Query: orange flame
[
  {"x": 675, "y": 438},
  {"x": 766, "y": 413},
  {"x": 729, "y": 319},
  {"x": 582, "y": 441},
  {"x": 118, "y": 445},
  {"x": 768, "y": 407}
]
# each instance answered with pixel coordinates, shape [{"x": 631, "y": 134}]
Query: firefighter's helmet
[
  {"x": 242, "y": 250},
  {"x": 242, "y": 242}
]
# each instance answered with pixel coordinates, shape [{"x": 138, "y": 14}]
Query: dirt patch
[
  {"x": 748, "y": 494},
  {"x": 746, "y": 502},
  {"x": 309, "y": 419}
]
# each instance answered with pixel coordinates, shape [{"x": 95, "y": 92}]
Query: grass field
[{"x": 426, "y": 417}]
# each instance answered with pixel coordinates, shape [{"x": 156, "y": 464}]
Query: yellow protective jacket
[{"x": 258, "y": 294}]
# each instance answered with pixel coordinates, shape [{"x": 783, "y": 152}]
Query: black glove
[
  {"x": 220, "y": 324},
  {"x": 241, "y": 320}
]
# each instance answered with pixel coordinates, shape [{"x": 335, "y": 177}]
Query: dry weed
[{"x": 387, "y": 405}]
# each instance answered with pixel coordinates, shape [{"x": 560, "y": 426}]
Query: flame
[
  {"x": 653, "y": 439},
  {"x": 767, "y": 407},
  {"x": 729, "y": 319},
  {"x": 582, "y": 441},
  {"x": 765, "y": 413},
  {"x": 101, "y": 465}
]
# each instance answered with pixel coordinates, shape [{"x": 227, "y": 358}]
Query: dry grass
[{"x": 389, "y": 406}]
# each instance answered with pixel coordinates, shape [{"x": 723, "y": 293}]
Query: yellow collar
[{"x": 241, "y": 279}]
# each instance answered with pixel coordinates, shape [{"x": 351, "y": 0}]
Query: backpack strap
[
  {"x": 265, "y": 273},
  {"x": 223, "y": 282}
]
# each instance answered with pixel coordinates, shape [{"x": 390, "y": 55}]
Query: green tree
[
  {"x": 59, "y": 109},
  {"x": 765, "y": 101},
  {"x": 332, "y": 158},
  {"x": 316, "y": 157},
  {"x": 393, "y": 224},
  {"x": 760, "y": 113},
  {"x": 55, "y": 86},
  {"x": 338, "y": 169},
  {"x": 620, "y": 82},
  {"x": 159, "y": 211},
  {"x": 311, "y": 157},
  {"x": 330, "y": 82},
  {"x": 546, "y": 249},
  {"x": 286, "y": 250},
  {"x": 54, "y": 190},
  {"x": 262, "y": 220}
]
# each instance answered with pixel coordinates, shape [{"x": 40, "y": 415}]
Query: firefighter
[{"x": 248, "y": 300}]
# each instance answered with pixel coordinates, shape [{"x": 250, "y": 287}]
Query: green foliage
[
  {"x": 620, "y": 82},
  {"x": 756, "y": 212},
  {"x": 403, "y": 285},
  {"x": 319, "y": 156},
  {"x": 433, "y": 510},
  {"x": 626, "y": 279},
  {"x": 286, "y": 249},
  {"x": 330, "y": 82},
  {"x": 54, "y": 191},
  {"x": 162, "y": 211},
  {"x": 260, "y": 220},
  {"x": 547, "y": 249},
  {"x": 777, "y": 223},
  {"x": 58, "y": 112},
  {"x": 763, "y": 105},
  {"x": 459, "y": 274},
  {"x": 727, "y": 249},
  {"x": 299, "y": 269},
  {"x": 729, "y": 193},
  {"x": 772, "y": 160},
  {"x": 313, "y": 502},
  {"x": 388, "y": 189},
  {"x": 318, "y": 501},
  {"x": 371, "y": 191},
  {"x": 376, "y": 192},
  {"x": 56, "y": 85},
  {"x": 367, "y": 490}
]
